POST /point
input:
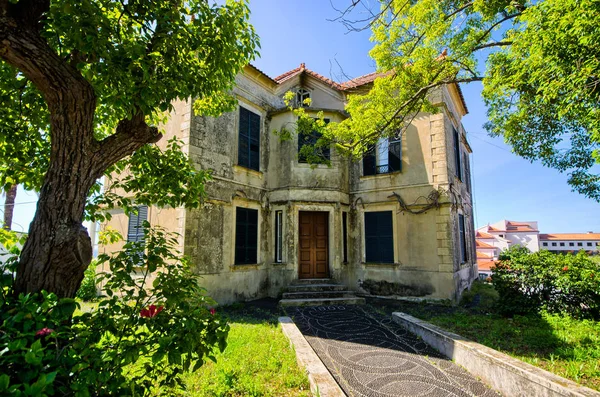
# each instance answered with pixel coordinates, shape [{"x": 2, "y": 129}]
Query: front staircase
[{"x": 318, "y": 292}]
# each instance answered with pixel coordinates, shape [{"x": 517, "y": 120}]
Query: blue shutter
[
  {"x": 463, "y": 240},
  {"x": 135, "y": 229},
  {"x": 457, "y": 154}
]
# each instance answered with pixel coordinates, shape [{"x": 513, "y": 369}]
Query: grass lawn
[
  {"x": 258, "y": 360},
  {"x": 559, "y": 344}
]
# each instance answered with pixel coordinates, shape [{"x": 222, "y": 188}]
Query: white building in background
[
  {"x": 493, "y": 239},
  {"x": 571, "y": 242}
]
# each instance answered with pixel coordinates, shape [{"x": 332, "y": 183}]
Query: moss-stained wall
[{"x": 426, "y": 249}]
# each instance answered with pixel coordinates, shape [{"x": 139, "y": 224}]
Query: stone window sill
[
  {"x": 245, "y": 267},
  {"x": 380, "y": 265},
  {"x": 388, "y": 174}
]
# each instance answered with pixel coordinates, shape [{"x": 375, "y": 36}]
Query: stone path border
[
  {"x": 509, "y": 376},
  {"x": 321, "y": 382}
]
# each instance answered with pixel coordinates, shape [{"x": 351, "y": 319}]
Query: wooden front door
[{"x": 314, "y": 247}]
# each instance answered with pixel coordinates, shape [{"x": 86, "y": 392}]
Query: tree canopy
[
  {"x": 536, "y": 59},
  {"x": 84, "y": 86}
]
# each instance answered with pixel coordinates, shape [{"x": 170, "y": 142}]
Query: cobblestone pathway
[{"x": 369, "y": 355}]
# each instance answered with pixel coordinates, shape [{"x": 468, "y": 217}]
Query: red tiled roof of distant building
[
  {"x": 570, "y": 236},
  {"x": 485, "y": 265},
  {"x": 481, "y": 234},
  {"x": 493, "y": 229},
  {"x": 519, "y": 227},
  {"x": 481, "y": 244},
  {"x": 483, "y": 256}
]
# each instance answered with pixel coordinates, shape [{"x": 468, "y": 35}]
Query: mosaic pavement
[{"x": 371, "y": 356}]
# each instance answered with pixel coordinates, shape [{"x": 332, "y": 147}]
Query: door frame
[{"x": 331, "y": 244}]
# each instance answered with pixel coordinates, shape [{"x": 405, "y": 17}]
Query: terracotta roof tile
[
  {"x": 485, "y": 265},
  {"x": 481, "y": 244},
  {"x": 570, "y": 236},
  {"x": 481, "y": 234},
  {"x": 483, "y": 256}
]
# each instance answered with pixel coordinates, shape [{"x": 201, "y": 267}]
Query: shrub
[
  {"x": 139, "y": 340},
  {"x": 88, "y": 290},
  {"x": 557, "y": 283}
]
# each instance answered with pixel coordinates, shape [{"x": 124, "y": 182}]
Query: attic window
[{"x": 301, "y": 96}]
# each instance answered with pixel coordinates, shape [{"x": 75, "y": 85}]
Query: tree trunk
[
  {"x": 9, "y": 206},
  {"x": 58, "y": 248}
]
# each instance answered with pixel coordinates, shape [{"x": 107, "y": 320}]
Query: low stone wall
[{"x": 509, "y": 376}]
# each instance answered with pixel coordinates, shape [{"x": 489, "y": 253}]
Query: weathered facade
[{"x": 270, "y": 218}]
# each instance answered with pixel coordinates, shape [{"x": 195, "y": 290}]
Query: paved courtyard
[{"x": 369, "y": 355}]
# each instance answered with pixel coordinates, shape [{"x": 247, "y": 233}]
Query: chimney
[{"x": 302, "y": 66}]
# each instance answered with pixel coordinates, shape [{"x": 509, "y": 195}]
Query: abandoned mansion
[{"x": 398, "y": 222}]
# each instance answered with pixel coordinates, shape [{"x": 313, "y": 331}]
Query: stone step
[
  {"x": 315, "y": 287},
  {"x": 318, "y": 294},
  {"x": 322, "y": 302},
  {"x": 303, "y": 281}
]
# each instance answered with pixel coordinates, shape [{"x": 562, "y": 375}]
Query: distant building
[
  {"x": 571, "y": 242},
  {"x": 493, "y": 239}
]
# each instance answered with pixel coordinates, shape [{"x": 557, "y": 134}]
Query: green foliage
[
  {"x": 88, "y": 290},
  {"x": 141, "y": 338},
  {"x": 150, "y": 176},
  {"x": 543, "y": 92},
  {"x": 139, "y": 57},
  {"x": 481, "y": 297},
  {"x": 529, "y": 282},
  {"x": 537, "y": 61}
]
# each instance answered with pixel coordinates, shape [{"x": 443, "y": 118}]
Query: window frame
[
  {"x": 250, "y": 138},
  {"x": 278, "y": 236},
  {"x": 373, "y": 156},
  {"x": 239, "y": 223},
  {"x": 375, "y": 254},
  {"x": 306, "y": 139},
  {"x": 457, "y": 155}
]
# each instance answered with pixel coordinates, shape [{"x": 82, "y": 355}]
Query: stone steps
[
  {"x": 322, "y": 301},
  {"x": 317, "y": 292}
]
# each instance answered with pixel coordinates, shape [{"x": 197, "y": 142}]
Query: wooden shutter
[
  {"x": 254, "y": 141},
  {"x": 249, "y": 140},
  {"x": 463, "y": 240},
  {"x": 395, "y": 155},
  {"x": 246, "y": 236},
  {"x": 379, "y": 237},
  {"x": 135, "y": 229},
  {"x": 457, "y": 154}
]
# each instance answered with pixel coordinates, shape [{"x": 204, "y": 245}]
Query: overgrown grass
[
  {"x": 258, "y": 360},
  {"x": 556, "y": 343}
]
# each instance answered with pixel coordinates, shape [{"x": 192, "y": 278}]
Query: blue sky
[{"x": 505, "y": 186}]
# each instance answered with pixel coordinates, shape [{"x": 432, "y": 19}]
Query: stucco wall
[{"x": 426, "y": 253}]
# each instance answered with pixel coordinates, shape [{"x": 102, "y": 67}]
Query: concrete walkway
[{"x": 369, "y": 355}]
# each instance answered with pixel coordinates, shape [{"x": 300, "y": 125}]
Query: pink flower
[
  {"x": 151, "y": 311},
  {"x": 212, "y": 311},
  {"x": 44, "y": 332}
]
